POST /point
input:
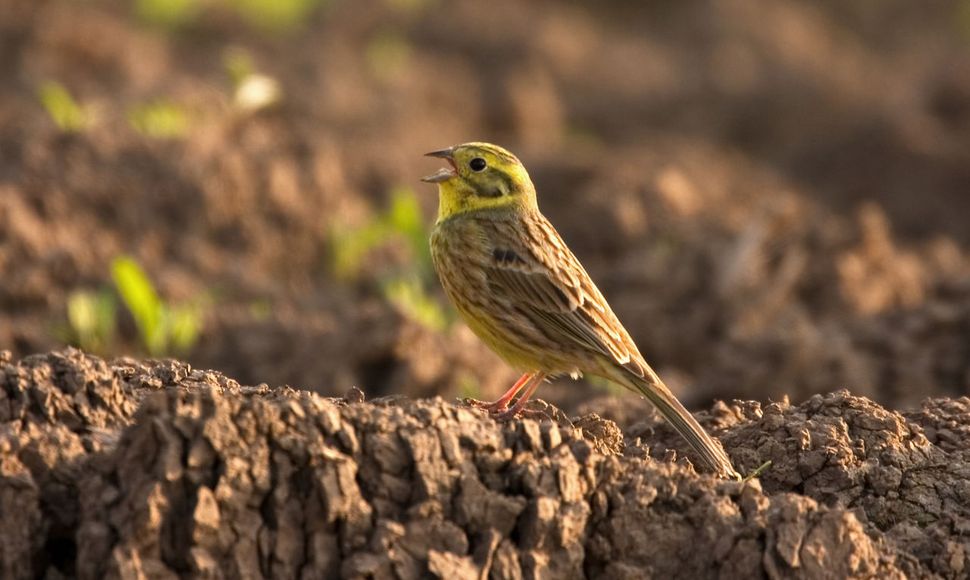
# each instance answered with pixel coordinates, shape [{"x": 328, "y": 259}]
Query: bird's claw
[
  {"x": 505, "y": 412},
  {"x": 491, "y": 407}
]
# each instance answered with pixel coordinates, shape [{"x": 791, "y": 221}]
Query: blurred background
[{"x": 773, "y": 195}]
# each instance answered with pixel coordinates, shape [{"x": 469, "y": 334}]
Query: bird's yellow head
[{"x": 481, "y": 176}]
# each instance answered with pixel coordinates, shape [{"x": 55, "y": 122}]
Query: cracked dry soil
[{"x": 153, "y": 469}]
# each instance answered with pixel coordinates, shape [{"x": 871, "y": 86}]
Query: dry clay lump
[{"x": 155, "y": 470}]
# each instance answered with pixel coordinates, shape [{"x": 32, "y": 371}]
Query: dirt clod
[{"x": 154, "y": 469}]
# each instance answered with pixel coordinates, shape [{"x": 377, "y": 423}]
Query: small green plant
[
  {"x": 402, "y": 221},
  {"x": 350, "y": 247},
  {"x": 91, "y": 317},
  {"x": 411, "y": 299},
  {"x": 168, "y": 13},
  {"x": 159, "y": 119},
  {"x": 274, "y": 15},
  {"x": 163, "y": 328},
  {"x": 66, "y": 113},
  {"x": 407, "y": 291},
  {"x": 405, "y": 220},
  {"x": 757, "y": 472}
]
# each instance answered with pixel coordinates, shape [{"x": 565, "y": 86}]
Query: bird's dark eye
[{"x": 477, "y": 164}]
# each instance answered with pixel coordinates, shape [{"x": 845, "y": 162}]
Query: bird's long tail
[{"x": 709, "y": 450}]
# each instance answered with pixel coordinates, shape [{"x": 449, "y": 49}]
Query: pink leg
[
  {"x": 537, "y": 379},
  {"x": 502, "y": 402}
]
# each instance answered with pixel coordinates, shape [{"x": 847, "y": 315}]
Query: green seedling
[
  {"x": 92, "y": 319},
  {"x": 163, "y": 328},
  {"x": 402, "y": 223},
  {"x": 168, "y": 13},
  {"x": 66, "y": 113},
  {"x": 407, "y": 291},
  {"x": 159, "y": 119},
  {"x": 274, "y": 15},
  {"x": 350, "y": 248},
  {"x": 757, "y": 472},
  {"x": 404, "y": 219},
  {"x": 408, "y": 295}
]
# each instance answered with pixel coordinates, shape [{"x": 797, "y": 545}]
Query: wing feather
[{"x": 540, "y": 278}]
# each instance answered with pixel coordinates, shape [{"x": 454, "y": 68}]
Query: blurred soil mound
[{"x": 154, "y": 469}]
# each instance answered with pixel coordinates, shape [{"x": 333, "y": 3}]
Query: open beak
[{"x": 443, "y": 174}]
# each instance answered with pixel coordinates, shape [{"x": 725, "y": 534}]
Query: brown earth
[
  {"x": 154, "y": 469},
  {"x": 773, "y": 196}
]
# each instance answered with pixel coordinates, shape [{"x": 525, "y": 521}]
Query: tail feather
[{"x": 709, "y": 450}]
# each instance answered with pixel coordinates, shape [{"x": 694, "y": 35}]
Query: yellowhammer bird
[{"x": 522, "y": 291}]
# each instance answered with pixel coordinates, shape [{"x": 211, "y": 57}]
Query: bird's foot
[
  {"x": 508, "y": 415},
  {"x": 502, "y": 411},
  {"x": 490, "y": 406}
]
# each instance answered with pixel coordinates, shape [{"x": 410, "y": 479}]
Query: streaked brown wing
[{"x": 541, "y": 279}]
